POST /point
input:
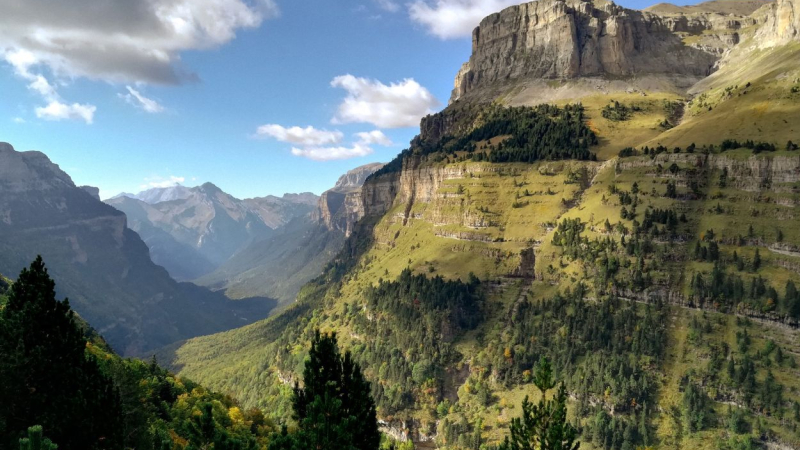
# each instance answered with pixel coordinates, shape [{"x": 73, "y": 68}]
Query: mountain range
[
  {"x": 192, "y": 231},
  {"x": 614, "y": 190},
  {"x": 279, "y": 265},
  {"x": 102, "y": 266}
]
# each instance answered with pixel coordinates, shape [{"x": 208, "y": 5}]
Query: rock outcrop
[
  {"x": 782, "y": 24},
  {"x": 342, "y": 206},
  {"x": 556, "y": 39}
]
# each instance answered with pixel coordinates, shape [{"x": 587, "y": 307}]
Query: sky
[{"x": 260, "y": 97}]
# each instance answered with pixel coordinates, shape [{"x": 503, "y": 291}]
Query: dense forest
[
  {"x": 62, "y": 380},
  {"x": 523, "y": 134},
  {"x": 63, "y": 387}
]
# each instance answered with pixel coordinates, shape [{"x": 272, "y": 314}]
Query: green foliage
[
  {"x": 543, "y": 376},
  {"x": 543, "y": 132},
  {"x": 696, "y": 411},
  {"x": 47, "y": 378},
  {"x": 543, "y": 426},
  {"x": 618, "y": 112},
  {"x": 88, "y": 398},
  {"x": 334, "y": 408},
  {"x": 530, "y": 134},
  {"x": 35, "y": 440},
  {"x": 414, "y": 320}
]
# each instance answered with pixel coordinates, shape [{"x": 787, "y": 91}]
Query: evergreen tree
[
  {"x": 46, "y": 376},
  {"x": 334, "y": 407},
  {"x": 543, "y": 426},
  {"x": 543, "y": 377},
  {"x": 36, "y": 440}
]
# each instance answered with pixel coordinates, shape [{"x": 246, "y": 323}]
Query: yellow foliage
[{"x": 236, "y": 415}]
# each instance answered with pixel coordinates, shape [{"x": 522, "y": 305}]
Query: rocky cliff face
[
  {"x": 782, "y": 23},
  {"x": 555, "y": 39},
  {"x": 280, "y": 264},
  {"x": 100, "y": 264},
  {"x": 342, "y": 206}
]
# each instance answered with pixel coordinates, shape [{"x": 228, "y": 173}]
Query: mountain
[
  {"x": 159, "y": 194},
  {"x": 99, "y": 263},
  {"x": 276, "y": 212},
  {"x": 192, "y": 231},
  {"x": 614, "y": 190},
  {"x": 278, "y": 266}
]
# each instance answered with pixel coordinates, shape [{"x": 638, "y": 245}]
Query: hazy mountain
[
  {"x": 191, "y": 231},
  {"x": 160, "y": 194},
  {"x": 99, "y": 263},
  {"x": 295, "y": 253}
]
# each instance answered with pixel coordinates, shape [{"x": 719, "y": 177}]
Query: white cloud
[
  {"x": 388, "y": 5},
  {"x": 450, "y": 19},
  {"x": 49, "y": 43},
  {"x": 136, "y": 98},
  {"x": 55, "y": 110},
  {"x": 123, "y": 41},
  {"x": 23, "y": 61},
  {"x": 161, "y": 182},
  {"x": 330, "y": 153},
  {"x": 18, "y": 120},
  {"x": 375, "y": 137},
  {"x": 308, "y": 136},
  {"x": 397, "y": 105}
]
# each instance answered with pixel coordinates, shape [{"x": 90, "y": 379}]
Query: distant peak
[
  {"x": 210, "y": 187},
  {"x": 355, "y": 178}
]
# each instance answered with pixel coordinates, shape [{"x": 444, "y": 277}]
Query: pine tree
[
  {"x": 36, "y": 440},
  {"x": 543, "y": 426},
  {"x": 543, "y": 377},
  {"x": 46, "y": 376},
  {"x": 335, "y": 393}
]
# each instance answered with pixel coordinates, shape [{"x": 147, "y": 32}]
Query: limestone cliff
[
  {"x": 555, "y": 39},
  {"x": 782, "y": 23},
  {"x": 341, "y": 207}
]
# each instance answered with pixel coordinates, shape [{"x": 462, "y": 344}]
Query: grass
[{"x": 488, "y": 192}]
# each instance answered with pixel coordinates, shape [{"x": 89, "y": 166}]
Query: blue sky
[{"x": 182, "y": 94}]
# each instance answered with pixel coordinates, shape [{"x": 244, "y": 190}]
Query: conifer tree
[
  {"x": 46, "y": 376},
  {"x": 36, "y": 440},
  {"x": 334, "y": 408}
]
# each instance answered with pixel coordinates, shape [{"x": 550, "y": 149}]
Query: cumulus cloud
[
  {"x": 375, "y": 137},
  {"x": 323, "y": 145},
  {"x": 162, "y": 182},
  {"x": 331, "y": 153},
  {"x": 136, "y": 98},
  {"x": 308, "y": 136},
  {"x": 123, "y": 41},
  {"x": 450, "y": 19},
  {"x": 55, "y": 110},
  {"x": 396, "y": 105},
  {"x": 23, "y": 62},
  {"x": 119, "y": 41}
]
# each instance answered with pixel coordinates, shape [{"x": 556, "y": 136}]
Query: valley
[{"x": 610, "y": 199}]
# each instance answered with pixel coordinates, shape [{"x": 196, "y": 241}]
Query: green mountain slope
[{"x": 661, "y": 280}]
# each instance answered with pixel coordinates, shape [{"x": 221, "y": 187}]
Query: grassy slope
[
  {"x": 223, "y": 360},
  {"x": 768, "y": 111}
]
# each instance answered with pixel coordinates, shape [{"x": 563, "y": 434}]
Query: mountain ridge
[
  {"x": 660, "y": 280},
  {"x": 101, "y": 265}
]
